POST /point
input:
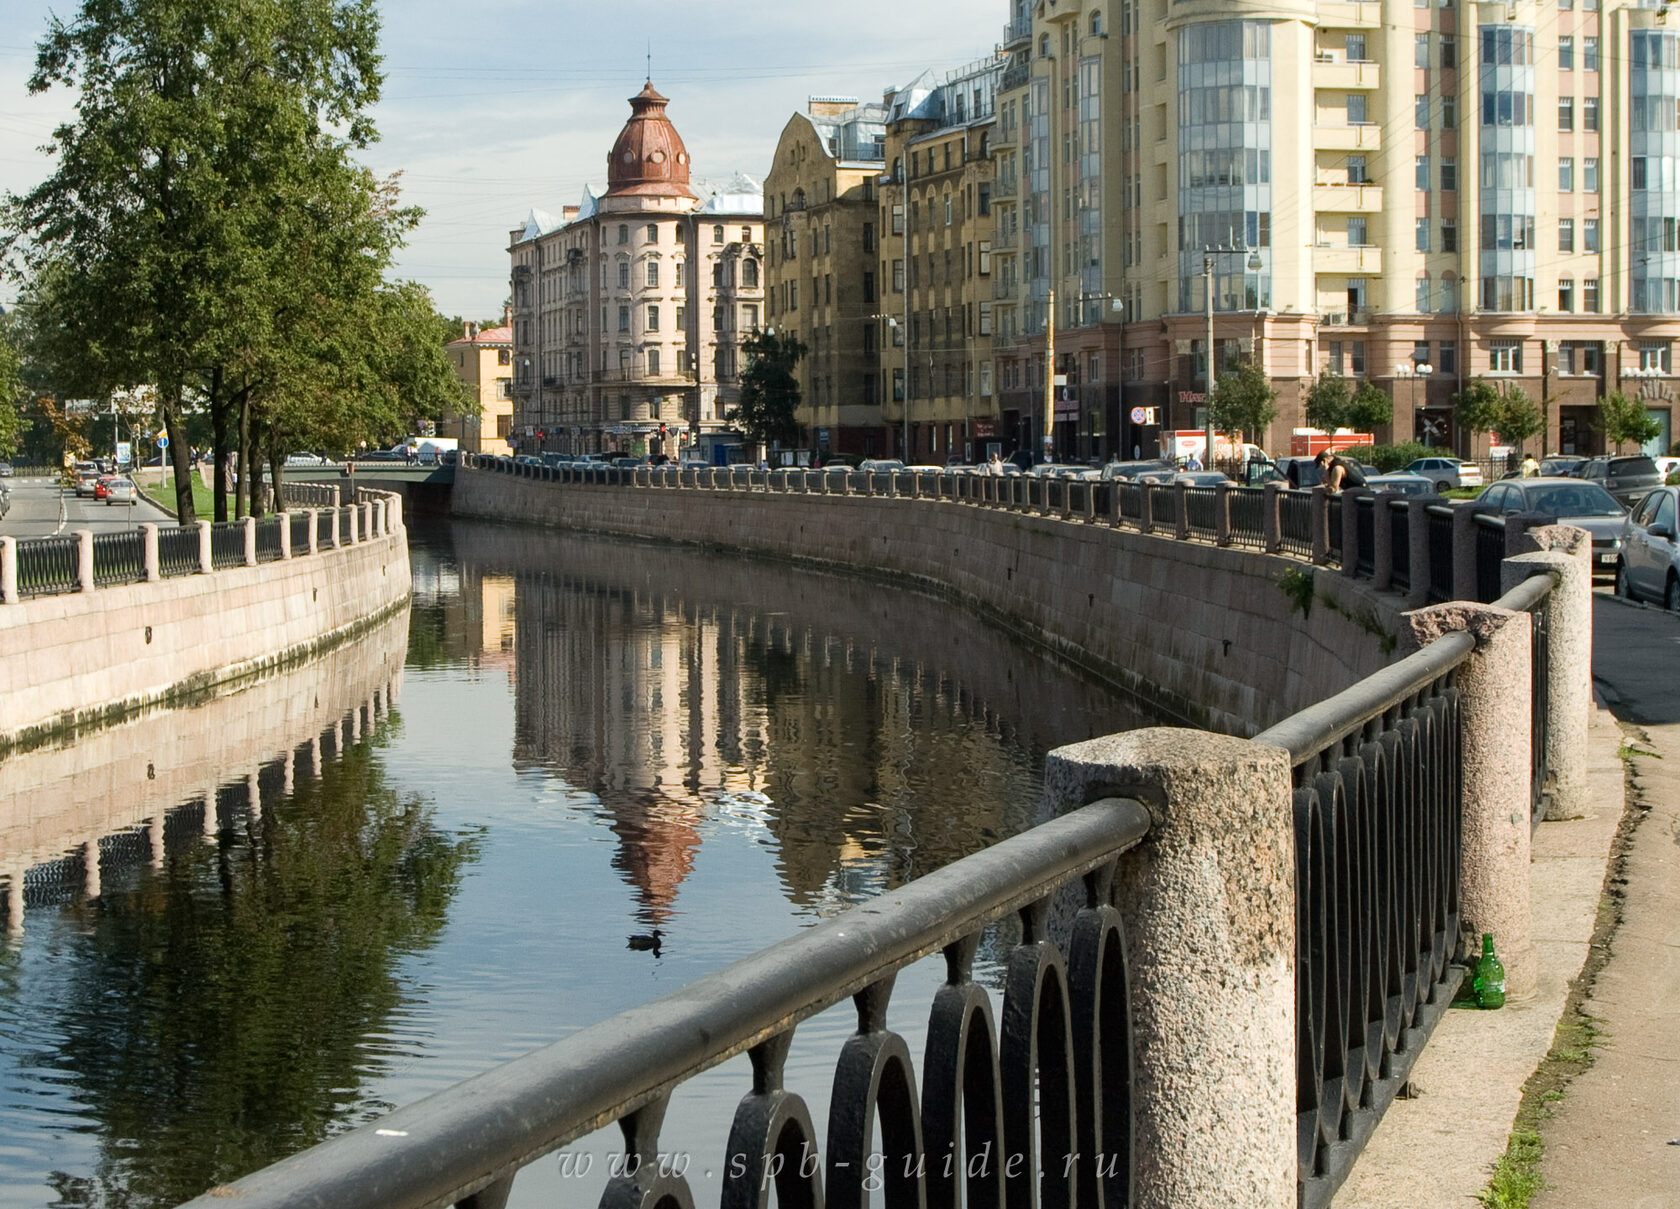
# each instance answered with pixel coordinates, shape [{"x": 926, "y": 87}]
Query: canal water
[{"x": 575, "y": 776}]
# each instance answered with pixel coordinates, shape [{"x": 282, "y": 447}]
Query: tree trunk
[
  {"x": 171, "y": 407},
  {"x": 218, "y": 444},
  {"x": 275, "y": 461},
  {"x": 242, "y": 498}
]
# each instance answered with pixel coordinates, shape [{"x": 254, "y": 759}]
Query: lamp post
[{"x": 1413, "y": 370}]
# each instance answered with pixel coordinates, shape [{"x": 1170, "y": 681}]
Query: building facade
[
  {"x": 822, "y": 282},
  {"x": 483, "y": 361},
  {"x": 1414, "y": 194},
  {"x": 629, "y": 308}
]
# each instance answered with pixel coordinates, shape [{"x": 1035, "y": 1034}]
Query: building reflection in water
[{"x": 871, "y": 734}]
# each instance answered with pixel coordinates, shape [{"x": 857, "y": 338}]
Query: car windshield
[
  {"x": 1626, "y": 466},
  {"x": 1585, "y": 499}
]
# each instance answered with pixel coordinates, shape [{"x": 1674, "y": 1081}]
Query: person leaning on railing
[{"x": 1339, "y": 473}]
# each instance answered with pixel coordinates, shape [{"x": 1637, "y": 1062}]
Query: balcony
[
  {"x": 1017, "y": 33},
  {"x": 1335, "y": 198},
  {"x": 1360, "y": 260},
  {"x": 1341, "y": 76},
  {"x": 1004, "y": 188},
  {"x": 1345, "y": 319},
  {"x": 1349, "y": 14},
  {"x": 1366, "y": 136}
]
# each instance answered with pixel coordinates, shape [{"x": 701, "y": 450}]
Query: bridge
[{"x": 1230, "y": 950}]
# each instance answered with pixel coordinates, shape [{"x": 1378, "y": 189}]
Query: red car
[{"x": 102, "y": 485}]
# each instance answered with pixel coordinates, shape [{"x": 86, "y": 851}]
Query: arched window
[
  {"x": 1044, "y": 46},
  {"x": 1423, "y": 294},
  {"x": 1096, "y": 23},
  {"x": 623, "y": 233},
  {"x": 746, "y": 235},
  {"x": 1449, "y": 294},
  {"x": 749, "y": 273},
  {"x": 717, "y": 234},
  {"x": 653, "y": 232}
]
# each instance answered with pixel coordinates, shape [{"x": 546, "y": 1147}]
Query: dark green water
[{"x": 589, "y": 740}]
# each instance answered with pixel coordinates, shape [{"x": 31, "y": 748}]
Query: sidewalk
[{"x": 1439, "y": 1148}]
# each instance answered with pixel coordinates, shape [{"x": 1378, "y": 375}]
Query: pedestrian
[
  {"x": 1192, "y": 462},
  {"x": 1339, "y": 473},
  {"x": 994, "y": 464},
  {"x": 1530, "y": 467}
]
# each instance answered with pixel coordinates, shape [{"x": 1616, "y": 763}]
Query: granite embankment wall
[
  {"x": 1207, "y": 634},
  {"x": 85, "y": 658}
]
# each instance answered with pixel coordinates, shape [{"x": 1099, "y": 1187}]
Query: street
[{"x": 41, "y": 508}]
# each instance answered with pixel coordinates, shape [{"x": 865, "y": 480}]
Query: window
[
  {"x": 749, "y": 274},
  {"x": 1423, "y": 172},
  {"x": 1589, "y": 235},
  {"x": 1566, "y": 234},
  {"x": 749, "y": 317},
  {"x": 1423, "y": 294},
  {"x": 653, "y": 274},
  {"x": 985, "y": 319},
  {"x": 746, "y": 235},
  {"x": 1636, "y": 172},
  {"x": 868, "y": 237},
  {"x": 1566, "y": 174},
  {"x": 1449, "y": 52},
  {"x": 947, "y": 208},
  {"x": 1449, "y": 295},
  {"x": 1505, "y": 356},
  {"x": 1566, "y": 113},
  {"x": 1356, "y": 109},
  {"x": 1566, "y": 54},
  {"x": 1355, "y": 46},
  {"x": 682, "y": 317},
  {"x": 1449, "y": 113},
  {"x": 868, "y": 286},
  {"x": 1420, "y": 111},
  {"x": 1423, "y": 235},
  {"x": 1589, "y": 174},
  {"x": 898, "y": 219},
  {"x": 624, "y": 274},
  {"x": 717, "y": 234},
  {"x": 653, "y": 362},
  {"x": 1420, "y": 352},
  {"x": 985, "y": 257},
  {"x": 1449, "y": 174},
  {"x": 1589, "y": 54},
  {"x": 793, "y": 295},
  {"x": 623, "y": 318},
  {"x": 652, "y": 319},
  {"x": 1589, "y": 113},
  {"x": 1356, "y": 170},
  {"x": 898, "y": 276},
  {"x": 1356, "y": 233},
  {"x": 1420, "y": 50},
  {"x": 1589, "y": 295},
  {"x": 623, "y": 233},
  {"x": 1356, "y": 358},
  {"x": 1566, "y": 294},
  {"x": 1449, "y": 235},
  {"x": 1447, "y": 361},
  {"x": 678, "y": 275},
  {"x": 1654, "y": 355},
  {"x": 653, "y": 232}
]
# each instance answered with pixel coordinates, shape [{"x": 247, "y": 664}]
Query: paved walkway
[{"x": 1607, "y": 1144}]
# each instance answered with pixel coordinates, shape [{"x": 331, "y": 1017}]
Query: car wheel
[
  {"x": 1443, "y": 485},
  {"x": 1671, "y": 594},
  {"x": 1624, "y": 588}
]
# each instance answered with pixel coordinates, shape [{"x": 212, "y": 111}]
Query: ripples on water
[{"x": 591, "y": 740}]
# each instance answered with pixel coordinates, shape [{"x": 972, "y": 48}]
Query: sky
[{"x": 491, "y": 109}]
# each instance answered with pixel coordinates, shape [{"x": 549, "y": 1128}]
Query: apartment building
[
  {"x": 483, "y": 360},
  {"x": 629, "y": 307},
  {"x": 821, "y": 282},
  {"x": 1411, "y": 193},
  {"x": 936, "y": 258}
]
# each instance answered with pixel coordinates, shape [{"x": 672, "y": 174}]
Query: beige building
[
  {"x": 483, "y": 360},
  {"x": 823, "y": 283},
  {"x": 629, "y": 308},
  {"x": 1410, "y": 193},
  {"x": 936, "y": 257}
]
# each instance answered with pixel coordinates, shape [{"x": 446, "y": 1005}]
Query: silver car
[
  {"x": 1569, "y": 502},
  {"x": 1650, "y": 565}
]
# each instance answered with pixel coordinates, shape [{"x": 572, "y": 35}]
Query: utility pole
[
  {"x": 1207, "y": 297},
  {"x": 1050, "y": 376}
]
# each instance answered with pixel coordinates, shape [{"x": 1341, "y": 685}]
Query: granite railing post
[
  {"x": 394, "y": 514},
  {"x": 1464, "y": 553},
  {"x": 1318, "y": 525},
  {"x": 1271, "y": 517},
  {"x": 206, "y": 552},
  {"x": 1417, "y": 548},
  {"x": 1209, "y": 902},
  {"x": 1565, "y": 553},
  {"x": 1382, "y": 540},
  {"x": 366, "y": 518},
  {"x": 249, "y": 525},
  {"x": 1222, "y": 514},
  {"x": 1494, "y": 702},
  {"x": 1350, "y": 531},
  {"x": 8, "y": 579},
  {"x": 314, "y": 539},
  {"x": 337, "y": 540},
  {"x": 353, "y": 514},
  {"x": 149, "y": 552},
  {"x": 285, "y": 535},
  {"x": 84, "y": 560}
]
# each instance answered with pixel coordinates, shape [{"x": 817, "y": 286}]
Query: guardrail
[{"x": 85, "y": 560}]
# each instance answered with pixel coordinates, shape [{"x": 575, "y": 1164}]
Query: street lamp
[
  {"x": 1255, "y": 264},
  {"x": 904, "y": 333},
  {"x": 1414, "y": 370}
]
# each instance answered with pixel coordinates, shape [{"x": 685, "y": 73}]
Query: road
[{"x": 41, "y": 508}]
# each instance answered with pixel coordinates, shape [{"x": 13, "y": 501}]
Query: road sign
[
  {"x": 1138, "y": 415},
  {"x": 163, "y": 440}
]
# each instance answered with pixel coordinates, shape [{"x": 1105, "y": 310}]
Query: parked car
[
  {"x": 1666, "y": 466},
  {"x": 1571, "y": 502},
  {"x": 1190, "y": 478},
  {"x": 1650, "y": 564},
  {"x": 880, "y": 464},
  {"x": 305, "y": 459},
  {"x": 1562, "y": 465},
  {"x": 1132, "y": 470},
  {"x": 1447, "y": 473},
  {"x": 1059, "y": 470},
  {"x": 5, "y": 470},
  {"x": 122, "y": 491},
  {"x": 5, "y": 500},
  {"x": 1626, "y": 478},
  {"x": 1400, "y": 482}
]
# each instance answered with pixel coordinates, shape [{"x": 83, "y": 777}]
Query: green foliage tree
[
  {"x": 199, "y": 128},
  {"x": 1243, "y": 401},
  {"x": 1509, "y": 413},
  {"x": 769, "y": 391},
  {"x": 1476, "y": 407},
  {"x": 1370, "y": 408},
  {"x": 11, "y": 397},
  {"x": 1327, "y": 401},
  {"x": 1622, "y": 419}
]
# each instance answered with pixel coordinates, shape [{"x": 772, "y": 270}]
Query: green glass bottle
[{"x": 1489, "y": 980}]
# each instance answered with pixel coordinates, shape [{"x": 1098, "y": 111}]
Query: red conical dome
[{"x": 649, "y": 158}]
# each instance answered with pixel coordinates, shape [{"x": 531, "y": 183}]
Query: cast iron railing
[
  {"x": 268, "y": 538},
  {"x": 1295, "y": 524},
  {"x": 1438, "y": 518},
  {"x": 324, "y": 529},
  {"x": 1248, "y": 517},
  {"x": 1490, "y": 552},
  {"x": 177, "y": 551},
  {"x": 1052, "y": 1082},
  {"x": 1333, "y": 507},
  {"x": 1400, "y": 545},
  {"x": 47, "y": 566},
  {"x": 1163, "y": 508},
  {"x": 227, "y": 544},
  {"x": 119, "y": 557},
  {"x": 1200, "y": 505},
  {"x": 299, "y": 522},
  {"x": 1378, "y": 808},
  {"x": 1365, "y": 516}
]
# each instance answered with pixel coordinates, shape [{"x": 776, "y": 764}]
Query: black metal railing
[
  {"x": 1295, "y": 523},
  {"x": 1052, "y": 1083},
  {"x": 1163, "y": 506},
  {"x": 299, "y": 522},
  {"x": 1400, "y": 544},
  {"x": 227, "y": 544},
  {"x": 119, "y": 557},
  {"x": 268, "y": 538},
  {"x": 1131, "y": 501},
  {"x": 1201, "y": 506},
  {"x": 47, "y": 566},
  {"x": 1248, "y": 517},
  {"x": 1365, "y": 517},
  {"x": 324, "y": 528},
  {"x": 1333, "y": 509},
  {"x": 177, "y": 551},
  {"x": 1490, "y": 552},
  {"x": 1439, "y": 519},
  {"x": 1378, "y": 816}
]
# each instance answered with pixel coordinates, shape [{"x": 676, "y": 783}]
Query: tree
[
  {"x": 195, "y": 126},
  {"x": 1622, "y": 419},
  {"x": 1370, "y": 408},
  {"x": 769, "y": 391},
  {"x": 1327, "y": 402},
  {"x": 1243, "y": 401},
  {"x": 1476, "y": 407},
  {"x": 1510, "y": 413},
  {"x": 11, "y": 398}
]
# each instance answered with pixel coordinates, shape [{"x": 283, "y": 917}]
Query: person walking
[{"x": 1530, "y": 467}]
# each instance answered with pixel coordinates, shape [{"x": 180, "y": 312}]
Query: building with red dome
[{"x": 629, "y": 307}]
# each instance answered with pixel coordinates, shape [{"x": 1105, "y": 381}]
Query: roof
[
  {"x": 490, "y": 335},
  {"x": 742, "y": 195}
]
